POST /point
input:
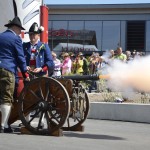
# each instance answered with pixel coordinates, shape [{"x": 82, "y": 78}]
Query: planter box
[{"x": 120, "y": 111}]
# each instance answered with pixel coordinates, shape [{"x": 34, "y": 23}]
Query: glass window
[
  {"x": 148, "y": 36},
  {"x": 93, "y": 33},
  {"x": 58, "y": 34},
  {"x": 76, "y": 36},
  {"x": 136, "y": 35},
  {"x": 110, "y": 35},
  {"x": 84, "y": 35}
]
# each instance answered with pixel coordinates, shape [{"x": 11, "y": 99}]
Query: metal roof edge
[{"x": 91, "y": 6}]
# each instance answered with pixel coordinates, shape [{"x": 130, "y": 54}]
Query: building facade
[{"x": 99, "y": 27}]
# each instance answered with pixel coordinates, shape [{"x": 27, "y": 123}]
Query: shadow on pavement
[{"x": 93, "y": 136}]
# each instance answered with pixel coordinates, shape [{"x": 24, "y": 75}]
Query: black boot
[
  {"x": 1, "y": 130},
  {"x": 6, "y": 130}
]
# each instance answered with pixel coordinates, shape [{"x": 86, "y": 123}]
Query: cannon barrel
[
  {"x": 85, "y": 77},
  {"x": 82, "y": 77},
  {"x": 79, "y": 77}
]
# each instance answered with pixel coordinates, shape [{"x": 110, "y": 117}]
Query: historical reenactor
[
  {"x": 11, "y": 57},
  {"x": 38, "y": 55}
]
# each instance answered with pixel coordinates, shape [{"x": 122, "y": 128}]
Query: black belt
[{"x": 56, "y": 70}]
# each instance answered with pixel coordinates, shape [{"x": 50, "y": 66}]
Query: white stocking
[{"x": 5, "y": 113}]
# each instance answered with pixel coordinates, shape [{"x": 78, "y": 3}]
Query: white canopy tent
[{"x": 74, "y": 47}]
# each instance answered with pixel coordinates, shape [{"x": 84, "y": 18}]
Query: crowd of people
[
  {"x": 69, "y": 63},
  {"x": 80, "y": 64}
]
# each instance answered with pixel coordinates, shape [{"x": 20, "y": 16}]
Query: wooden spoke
[
  {"x": 54, "y": 117},
  {"x": 49, "y": 126},
  {"x": 41, "y": 93},
  {"x": 33, "y": 93},
  {"x": 47, "y": 93},
  {"x": 34, "y": 116}
]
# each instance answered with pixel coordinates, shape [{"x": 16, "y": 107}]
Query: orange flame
[{"x": 106, "y": 76}]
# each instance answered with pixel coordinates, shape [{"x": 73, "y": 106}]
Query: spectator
[
  {"x": 129, "y": 56},
  {"x": 100, "y": 63},
  {"x": 85, "y": 64},
  {"x": 112, "y": 54},
  {"x": 120, "y": 55},
  {"x": 78, "y": 65},
  {"x": 57, "y": 62},
  {"x": 66, "y": 64},
  {"x": 93, "y": 63}
]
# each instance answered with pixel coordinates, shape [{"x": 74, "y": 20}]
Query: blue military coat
[
  {"x": 43, "y": 55},
  {"x": 11, "y": 52}
]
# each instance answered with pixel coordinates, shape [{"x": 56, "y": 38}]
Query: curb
[{"x": 120, "y": 111}]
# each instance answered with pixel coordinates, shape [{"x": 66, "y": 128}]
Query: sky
[{"x": 94, "y": 1}]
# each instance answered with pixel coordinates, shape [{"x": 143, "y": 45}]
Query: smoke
[
  {"x": 106, "y": 56},
  {"x": 131, "y": 76}
]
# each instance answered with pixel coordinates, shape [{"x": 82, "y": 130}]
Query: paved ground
[{"x": 98, "y": 135}]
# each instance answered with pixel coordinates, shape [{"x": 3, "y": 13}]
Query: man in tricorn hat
[
  {"x": 11, "y": 57},
  {"x": 38, "y": 55}
]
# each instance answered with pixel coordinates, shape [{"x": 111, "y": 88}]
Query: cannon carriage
[{"x": 62, "y": 101}]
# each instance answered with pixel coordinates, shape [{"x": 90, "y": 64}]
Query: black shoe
[
  {"x": 1, "y": 130},
  {"x": 6, "y": 130}
]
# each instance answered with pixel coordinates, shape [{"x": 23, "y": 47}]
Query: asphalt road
[{"x": 98, "y": 135}]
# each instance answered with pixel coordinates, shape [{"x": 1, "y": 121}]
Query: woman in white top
[{"x": 57, "y": 62}]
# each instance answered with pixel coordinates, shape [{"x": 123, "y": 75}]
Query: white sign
[
  {"x": 6, "y": 13},
  {"x": 29, "y": 12}
]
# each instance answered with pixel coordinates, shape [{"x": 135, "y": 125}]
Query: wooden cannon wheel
[
  {"x": 79, "y": 109},
  {"x": 47, "y": 98}
]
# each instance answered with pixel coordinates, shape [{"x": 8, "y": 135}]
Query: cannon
[{"x": 62, "y": 101}]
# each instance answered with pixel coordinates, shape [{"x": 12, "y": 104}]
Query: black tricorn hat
[
  {"x": 35, "y": 29},
  {"x": 16, "y": 21}
]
